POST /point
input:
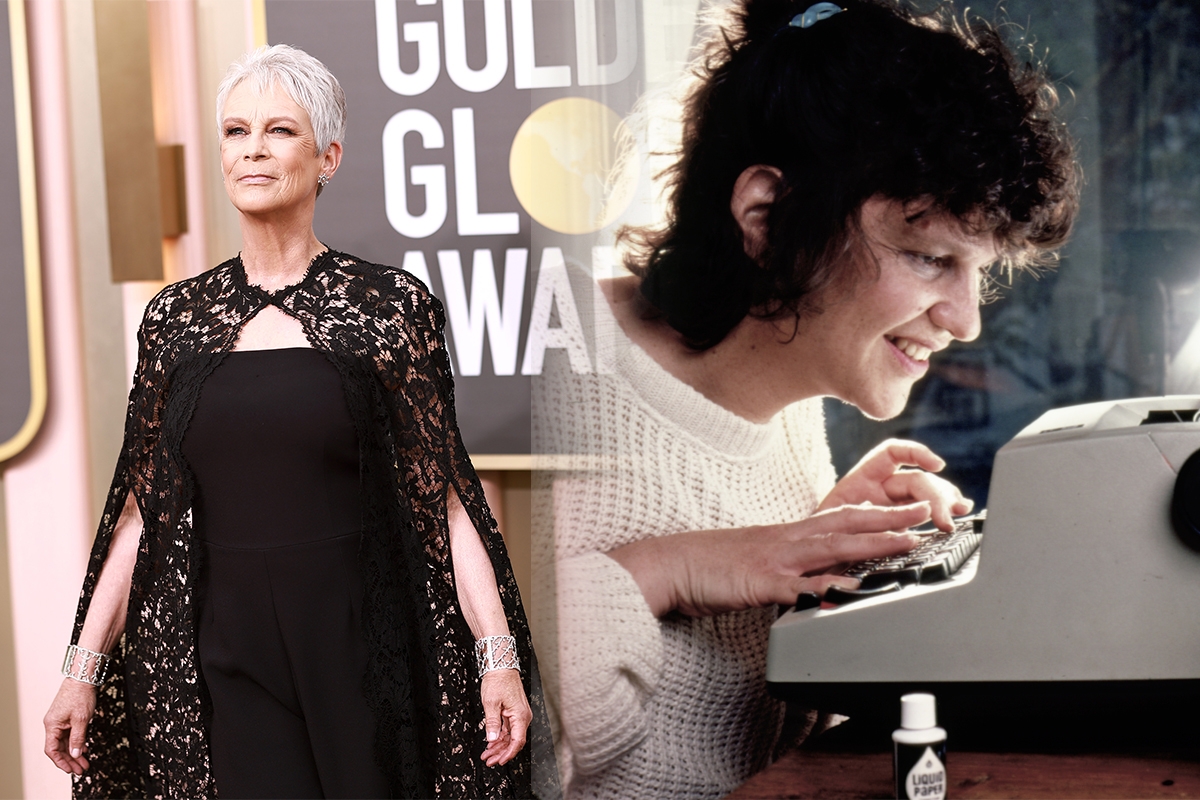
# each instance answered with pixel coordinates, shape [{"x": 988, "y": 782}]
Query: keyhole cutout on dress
[{"x": 272, "y": 329}]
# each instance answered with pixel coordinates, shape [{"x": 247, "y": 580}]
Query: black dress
[
  {"x": 275, "y": 457},
  {"x": 382, "y": 331}
]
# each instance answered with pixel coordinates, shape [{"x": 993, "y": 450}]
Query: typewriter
[
  {"x": 938, "y": 555},
  {"x": 1076, "y": 595}
]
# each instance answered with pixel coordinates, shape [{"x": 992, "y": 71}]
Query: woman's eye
[
  {"x": 234, "y": 130},
  {"x": 282, "y": 130},
  {"x": 927, "y": 261}
]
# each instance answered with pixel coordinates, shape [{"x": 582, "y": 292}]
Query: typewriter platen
[{"x": 1085, "y": 584}]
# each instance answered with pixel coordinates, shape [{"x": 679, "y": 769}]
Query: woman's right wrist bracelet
[{"x": 85, "y": 666}]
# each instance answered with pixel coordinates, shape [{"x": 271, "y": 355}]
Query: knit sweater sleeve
[
  {"x": 611, "y": 654},
  {"x": 636, "y": 453}
]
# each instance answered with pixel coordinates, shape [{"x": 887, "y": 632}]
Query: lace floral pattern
[{"x": 383, "y": 331}]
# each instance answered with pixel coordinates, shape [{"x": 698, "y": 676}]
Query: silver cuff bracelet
[
  {"x": 85, "y": 665},
  {"x": 496, "y": 652}
]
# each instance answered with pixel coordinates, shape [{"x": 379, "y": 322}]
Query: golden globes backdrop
[
  {"x": 481, "y": 138},
  {"x": 22, "y": 353}
]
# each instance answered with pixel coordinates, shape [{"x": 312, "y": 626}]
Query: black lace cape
[{"x": 383, "y": 331}]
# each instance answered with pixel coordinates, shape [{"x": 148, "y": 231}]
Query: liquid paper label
[{"x": 927, "y": 778}]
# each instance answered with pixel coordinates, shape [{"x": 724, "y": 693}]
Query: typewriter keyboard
[{"x": 936, "y": 558}]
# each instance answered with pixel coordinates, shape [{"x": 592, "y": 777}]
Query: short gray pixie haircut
[{"x": 304, "y": 78}]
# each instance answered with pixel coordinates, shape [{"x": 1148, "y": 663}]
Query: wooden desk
[{"x": 850, "y": 776}]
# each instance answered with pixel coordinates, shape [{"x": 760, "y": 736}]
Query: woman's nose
[
  {"x": 958, "y": 310},
  {"x": 256, "y": 147}
]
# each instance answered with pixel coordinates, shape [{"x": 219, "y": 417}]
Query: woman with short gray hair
[{"x": 297, "y": 588}]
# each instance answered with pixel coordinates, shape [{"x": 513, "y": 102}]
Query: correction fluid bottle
[{"x": 919, "y": 756}]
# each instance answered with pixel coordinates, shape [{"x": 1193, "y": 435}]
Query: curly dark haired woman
[{"x": 849, "y": 176}]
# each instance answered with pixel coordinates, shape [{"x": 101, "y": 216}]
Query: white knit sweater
[{"x": 674, "y": 707}]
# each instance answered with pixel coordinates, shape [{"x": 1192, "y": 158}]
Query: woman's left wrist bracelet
[
  {"x": 85, "y": 666},
  {"x": 496, "y": 652}
]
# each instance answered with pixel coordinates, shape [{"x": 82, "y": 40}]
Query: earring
[{"x": 322, "y": 180}]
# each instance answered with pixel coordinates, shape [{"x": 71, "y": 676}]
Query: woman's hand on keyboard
[
  {"x": 702, "y": 573},
  {"x": 882, "y": 478}
]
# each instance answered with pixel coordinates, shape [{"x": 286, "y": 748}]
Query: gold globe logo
[{"x": 561, "y": 166}]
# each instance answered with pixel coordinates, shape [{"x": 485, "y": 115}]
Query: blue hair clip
[{"x": 815, "y": 14}]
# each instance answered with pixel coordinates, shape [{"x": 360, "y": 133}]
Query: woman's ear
[
  {"x": 753, "y": 193},
  {"x": 331, "y": 159}
]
